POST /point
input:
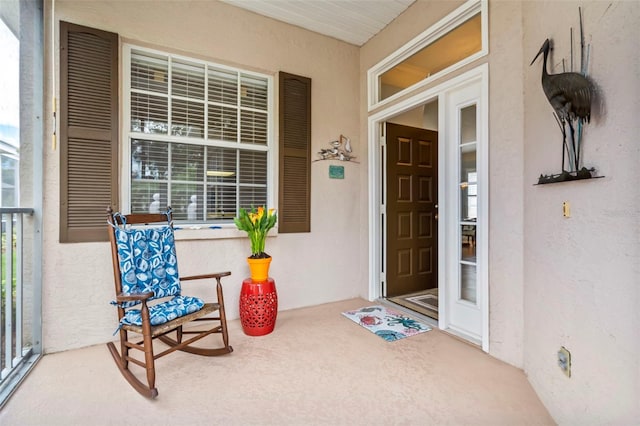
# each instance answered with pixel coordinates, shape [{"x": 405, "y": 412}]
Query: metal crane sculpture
[{"x": 570, "y": 94}]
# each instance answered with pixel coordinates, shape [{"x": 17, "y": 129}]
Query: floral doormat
[{"x": 386, "y": 323}]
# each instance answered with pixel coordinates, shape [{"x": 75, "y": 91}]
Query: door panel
[
  {"x": 411, "y": 201},
  {"x": 464, "y": 295}
]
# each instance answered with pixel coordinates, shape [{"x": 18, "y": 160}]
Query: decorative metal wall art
[
  {"x": 570, "y": 94},
  {"x": 340, "y": 150}
]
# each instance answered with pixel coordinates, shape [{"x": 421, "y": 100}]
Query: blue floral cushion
[
  {"x": 148, "y": 262},
  {"x": 162, "y": 312}
]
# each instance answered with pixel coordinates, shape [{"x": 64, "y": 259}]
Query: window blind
[{"x": 199, "y": 137}]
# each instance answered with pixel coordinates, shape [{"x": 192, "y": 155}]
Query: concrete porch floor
[{"x": 317, "y": 367}]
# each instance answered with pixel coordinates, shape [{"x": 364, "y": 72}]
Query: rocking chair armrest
[
  {"x": 130, "y": 297},
  {"x": 201, "y": 277}
]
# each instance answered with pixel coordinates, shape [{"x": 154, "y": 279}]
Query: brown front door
[{"x": 412, "y": 198}]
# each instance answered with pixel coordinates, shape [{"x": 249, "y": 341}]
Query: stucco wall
[
  {"x": 581, "y": 273},
  {"x": 554, "y": 281},
  {"x": 506, "y": 161},
  {"x": 309, "y": 268}
]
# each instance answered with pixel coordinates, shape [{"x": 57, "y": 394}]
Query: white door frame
[{"x": 376, "y": 145}]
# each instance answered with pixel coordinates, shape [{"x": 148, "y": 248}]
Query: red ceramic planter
[{"x": 258, "y": 306}]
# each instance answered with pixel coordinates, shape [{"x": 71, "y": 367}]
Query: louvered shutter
[
  {"x": 294, "y": 210},
  {"x": 88, "y": 131}
]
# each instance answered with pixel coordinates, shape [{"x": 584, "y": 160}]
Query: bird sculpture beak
[
  {"x": 534, "y": 59},
  {"x": 545, "y": 46}
]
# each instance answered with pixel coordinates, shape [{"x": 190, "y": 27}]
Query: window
[
  {"x": 198, "y": 137},
  {"x": 458, "y": 39}
]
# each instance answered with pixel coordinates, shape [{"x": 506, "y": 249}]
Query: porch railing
[{"x": 20, "y": 298}]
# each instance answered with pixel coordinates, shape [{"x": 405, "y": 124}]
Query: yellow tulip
[{"x": 256, "y": 225}]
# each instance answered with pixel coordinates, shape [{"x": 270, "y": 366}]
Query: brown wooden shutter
[
  {"x": 294, "y": 209},
  {"x": 88, "y": 131}
]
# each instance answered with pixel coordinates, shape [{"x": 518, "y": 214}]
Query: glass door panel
[
  {"x": 468, "y": 282},
  {"x": 468, "y": 124},
  {"x": 468, "y": 193}
]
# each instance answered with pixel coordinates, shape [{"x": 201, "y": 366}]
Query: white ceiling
[{"x": 353, "y": 21}]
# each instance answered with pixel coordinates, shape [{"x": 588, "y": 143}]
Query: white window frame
[
  {"x": 224, "y": 230},
  {"x": 430, "y": 35}
]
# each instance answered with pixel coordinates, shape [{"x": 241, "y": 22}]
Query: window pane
[
  {"x": 149, "y": 160},
  {"x": 467, "y": 162},
  {"x": 221, "y": 165},
  {"x": 254, "y": 93},
  {"x": 187, "y": 80},
  {"x": 221, "y": 202},
  {"x": 223, "y": 123},
  {"x": 461, "y": 42},
  {"x": 187, "y": 202},
  {"x": 468, "y": 204},
  {"x": 468, "y": 124},
  {"x": 468, "y": 234},
  {"x": 253, "y": 167},
  {"x": 187, "y": 118},
  {"x": 148, "y": 196},
  {"x": 253, "y": 127},
  {"x": 468, "y": 183},
  {"x": 148, "y": 113},
  {"x": 149, "y": 72},
  {"x": 187, "y": 162},
  {"x": 468, "y": 283},
  {"x": 223, "y": 87},
  {"x": 252, "y": 196}
]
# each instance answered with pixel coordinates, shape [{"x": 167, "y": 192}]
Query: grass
[
  {"x": 4, "y": 286},
  {"x": 3, "y": 265}
]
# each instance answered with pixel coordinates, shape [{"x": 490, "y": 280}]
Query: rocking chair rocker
[{"x": 145, "y": 269}]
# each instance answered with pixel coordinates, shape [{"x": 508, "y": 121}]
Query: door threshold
[
  {"x": 465, "y": 337},
  {"x": 424, "y": 302},
  {"x": 426, "y": 319}
]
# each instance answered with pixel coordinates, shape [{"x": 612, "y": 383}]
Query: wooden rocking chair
[{"x": 145, "y": 269}]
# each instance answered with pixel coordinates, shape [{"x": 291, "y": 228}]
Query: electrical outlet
[{"x": 564, "y": 361}]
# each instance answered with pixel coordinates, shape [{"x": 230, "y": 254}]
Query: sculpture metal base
[{"x": 566, "y": 176}]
